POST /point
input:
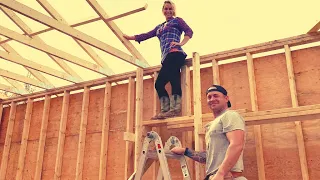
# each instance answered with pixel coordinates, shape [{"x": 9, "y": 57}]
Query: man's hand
[{"x": 178, "y": 150}]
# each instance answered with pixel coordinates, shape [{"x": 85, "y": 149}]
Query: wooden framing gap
[
  {"x": 42, "y": 139},
  {"x": 24, "y": 139},
  {"x": 7, "y": 143}
]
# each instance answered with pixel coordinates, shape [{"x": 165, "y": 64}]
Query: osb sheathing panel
[{"x": 279, "y": 140}]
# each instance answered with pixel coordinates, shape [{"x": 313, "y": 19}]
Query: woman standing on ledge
[{"x": 172, "y": 58}]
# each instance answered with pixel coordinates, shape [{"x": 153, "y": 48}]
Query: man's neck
[{"x": 219, "y": 112}]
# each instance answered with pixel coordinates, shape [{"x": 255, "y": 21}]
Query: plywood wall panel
[
  {"x": 272, "y": 82},
  {"x": 31, "y": 159},
  {"x": 36, "y": 119},
  {"x": 54, "y": 117},
  {"x": 95, "y": 111},
  {"x": 69, "y": 160},
  {"x": 3, "y": 129},
  {"x": 280, "y": 150},
  {"x": 49, "y": 158},
  {"x": 91, "y": 161},
  {"x": 18, "y": 124},
  {"x": 74, "y": 115}
]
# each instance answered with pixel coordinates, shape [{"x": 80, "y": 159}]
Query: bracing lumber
[
  {"x": 215, "y": 72},
  {"x": 83, "y": 132},
  {"x": 28, "y": 31},
  {"x": 24, "y": 139},
  {"x": 62, "y": 135},
  {"x": 16, "y": 85},
  {"x": 45, "y": 4},
  {"x": 23, "y": 79},
  {"x": 7, "y": 143},
  {"x": 45, "y": 69},
  {"x": 259, "y": 152},
  {"x": 12, "y": 89},
  {"x": 105, "y": 131},
  {"x": 41, "y": 18},
  {"x": 35, "y": 73},
  {"x": 51, "y": 50},
  {"x": 315, "y": 28},
  {"x": 42, "y": 139},
  {"x": 116, "y": 30},
  {"x": 88, "y": 21}
]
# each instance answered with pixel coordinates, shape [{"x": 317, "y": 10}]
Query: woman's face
[{"x": 168, "y": 10}]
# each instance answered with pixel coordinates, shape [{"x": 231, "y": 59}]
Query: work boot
[
  {"x": 164, "y": 107},
  {"x": 175, "y": 106}
]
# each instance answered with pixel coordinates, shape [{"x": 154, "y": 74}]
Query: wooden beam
[
  {"x": 23, "y": 79},
  {"x": 45, "y": 4},
  {"x": 7, "y": 143},
  {"x": 87, "y": 22},
  {"x": 12, "y": 89},
  {"x": 139, "y": 116},
  {"x": 42, "y": 139},
  {"x": 215, "y": 72},
  {"x": 128, "y": 163},
  {"x": 105, "y": 132},
  {"x": 116, "y": 30},
  {"x": 41, "y": 18},
  {"x": 252, "y": 82},
  {"x": 1, "y": 111},
  {"x": 45, "y": 69},
  {"x": 24, "y": 139},
  {"x": 262, "y": 47},
  {"x": 259, "y": 152},
  {"x": 295, "y": 103},
  {"x": 35, "y": 73},
  {"x": 315, "y": 28},
  {"x": 198, "y": 139},
  {"x": 83, "y": 132},
  {"x": 62, "y": 135},
  {"x": 16, "y": 85},
  {"x": 24, "y": 27},
  {"x": 51, "y": 50}
]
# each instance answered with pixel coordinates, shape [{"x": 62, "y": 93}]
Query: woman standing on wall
[{"x": 172, "y": 58}]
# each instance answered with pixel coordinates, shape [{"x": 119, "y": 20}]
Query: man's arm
[
  {"x": 236, "y": 139},
  {"x": 195, "y": 155}
]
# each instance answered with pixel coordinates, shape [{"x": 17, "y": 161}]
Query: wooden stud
[
  {"x": 116, "y": 30},
  {"x": 42, "y": 139},
  {"x": 45, "y": 4},
  {"x": 24, "y": 27},
  {"x": 105, "y": 131},
  {"x": 156, "y": 110},
  {"x": 45, "y": 69},
  {"x": 35, "y": 73},
  {"x": 23, "y": 79},
  {"x": 139, "y": 116},
  {"x": 197, "y": 112},
  {"x": 128, "y": 164},
  {"x": 24, "y": 140},
  {"x": 83, "y": 132},
  {"x": 215, "y": 72},
  {"x": 41, "y": 18},
  {"x": 62, "y": 135},
  {"x": 259, "y": 152},
  {"x": 295, "y": 103},
  {"x": 1, "y": 111},
  {"x": 7, "y": 143}
]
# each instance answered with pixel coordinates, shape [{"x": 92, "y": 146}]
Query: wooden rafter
[
  {"x": 11, "y": 89},
  {"x": 19, "y": 60},
  {"x": 116, "y": 30},
  {"x": 45, "y": 4},
  {"x": 27, "y": 30},
  {"x": 35, "y": 73},
  {"x": 16, "y": 85},
  {"x": 23, "y": 79},
  {"x": 87, "y": 22},
  {"x": 41, "y": 18},
  {"x": 51, "y": 50}
]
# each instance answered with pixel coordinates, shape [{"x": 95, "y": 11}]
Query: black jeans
[{"x": 170, "y": 72}]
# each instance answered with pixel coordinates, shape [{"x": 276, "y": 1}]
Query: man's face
[{"x": 217, "y": 101}]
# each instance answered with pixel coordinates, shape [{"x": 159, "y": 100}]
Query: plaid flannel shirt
[{"x": 167, "y": 32}]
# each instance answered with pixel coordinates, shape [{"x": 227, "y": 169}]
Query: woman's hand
[{"x": 173, "y": 44}]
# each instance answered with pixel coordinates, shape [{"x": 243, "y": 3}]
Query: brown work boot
[
  {"x": 175, "y": 106},
  {"x": 164, "y": 107}
]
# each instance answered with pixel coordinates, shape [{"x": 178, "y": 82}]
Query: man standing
[{"x": 225, "y": 139}]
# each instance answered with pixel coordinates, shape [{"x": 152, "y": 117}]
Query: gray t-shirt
[{"x": 217, "y": 142}]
